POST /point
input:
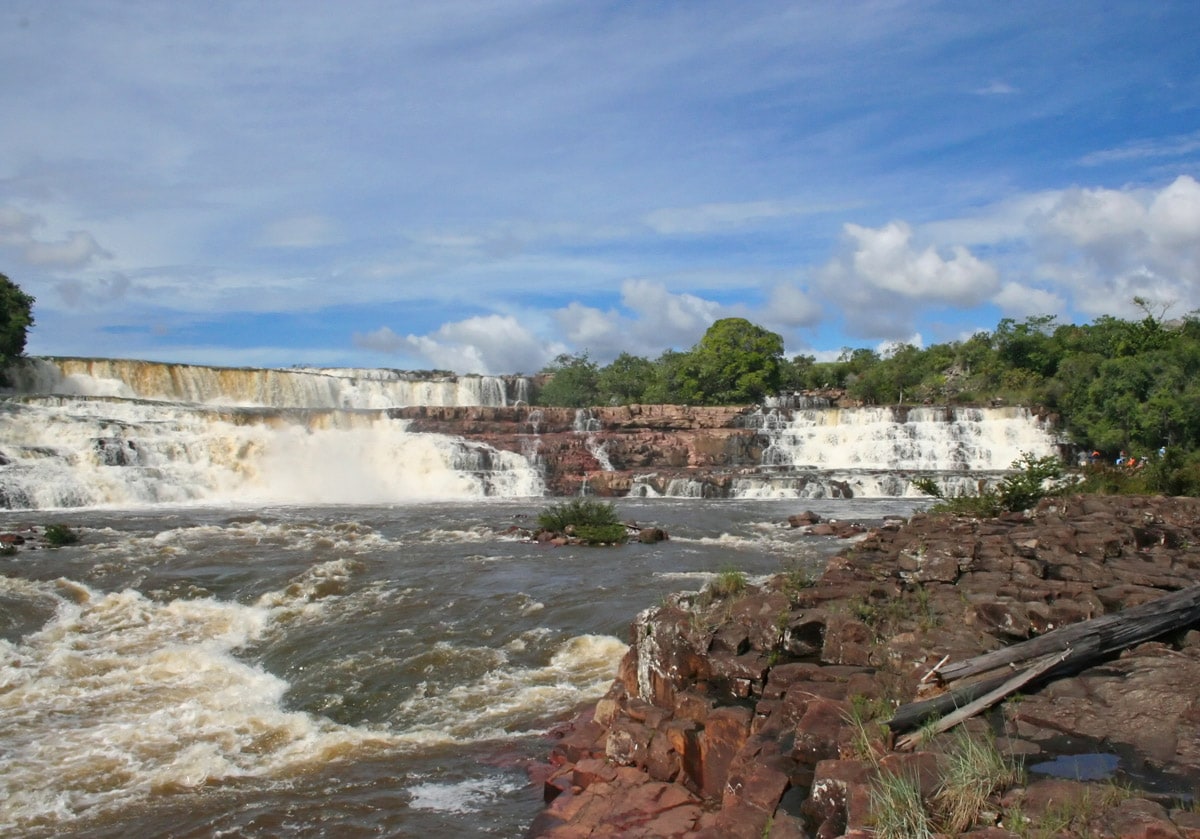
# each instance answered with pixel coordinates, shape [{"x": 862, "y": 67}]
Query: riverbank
[{"x": 760, "y": 712}]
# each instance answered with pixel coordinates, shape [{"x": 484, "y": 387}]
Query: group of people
[{"x": 1123, "y": 459}]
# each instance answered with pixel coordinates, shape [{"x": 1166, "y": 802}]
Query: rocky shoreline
[{"x": 759, "y": 713}]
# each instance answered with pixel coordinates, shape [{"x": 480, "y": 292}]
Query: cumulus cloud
[
  {"x": 673, "y": 318},
  {"x": 18, "y": 231},
  {"x": 651, "y": 319},
  {"x": 1103, "y": 246},
  {"x": 791, "y": 306},
  {"x": 489, "y": 344},
  {"x": 881, "y": 279},
  {"x": 1017, "y": 300}
]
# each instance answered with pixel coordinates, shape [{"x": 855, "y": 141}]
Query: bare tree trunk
[{"x": 1082, "y": 644}]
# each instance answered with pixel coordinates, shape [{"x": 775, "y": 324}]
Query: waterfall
[
  {"x": 822, "y": 452},
  {"x": 95, "y": 432},
  {"x": 588, "y": 425},
  {"x": 898, "y": 439},
  {"x": 347, "y": 388}
]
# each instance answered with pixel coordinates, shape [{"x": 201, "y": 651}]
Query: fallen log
[
  {"x": 1081, "y": 644},
  {"x": 984, "y": 702}
]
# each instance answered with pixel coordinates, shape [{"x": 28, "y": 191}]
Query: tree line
[{"x": 1129, "y": 386}]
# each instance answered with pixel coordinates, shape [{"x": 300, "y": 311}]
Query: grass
[
  {"x": 798, "y": 577},
  {"x": 974, "y": 769},
  {"x": 897, "y": 809},
  {"x": 729, "y": 582},
  {"x": 869, "y": 735}
]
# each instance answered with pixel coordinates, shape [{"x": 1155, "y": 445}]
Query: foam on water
[
  {"x": 469, "y": 796},
  {"x": 119, "y": 697},
  {"x": 486, "y": 707}
]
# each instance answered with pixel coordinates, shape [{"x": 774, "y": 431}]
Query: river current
[{"x": 333, "y": 670}]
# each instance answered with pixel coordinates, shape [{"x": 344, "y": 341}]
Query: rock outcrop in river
[
  {"x": 610, "y": 447},
  {"x": 750, "y": 715}
]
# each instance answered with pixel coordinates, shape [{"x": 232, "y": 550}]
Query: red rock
[{"x": 725, "y": 730}]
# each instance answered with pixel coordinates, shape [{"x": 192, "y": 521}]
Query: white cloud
[
  {"x": 489, "y": 344},
  {"x": 1103, "y": 246},
  {"x": 881, "y": 280},
  {"x": 673, "y": 319},
  {"x": 791, "y": 306},
  {"x": 1018, "y": 301},
  {"x": 17, "y": 231},
  {"x": 716, "y": 218},
  {"x": 885, "y": 259},
  {"x": 1176, "y": 146}
]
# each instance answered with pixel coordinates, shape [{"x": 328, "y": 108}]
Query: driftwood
[
  {"x": 984, "y": 702},
  {"x": 1070, "y": 648}
]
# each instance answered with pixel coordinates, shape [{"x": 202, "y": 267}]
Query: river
[{"x": 386, "y": 670}]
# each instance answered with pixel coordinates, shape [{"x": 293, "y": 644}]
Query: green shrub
[
  {"x": 578, "y": 511},
  {"x": 1034, "y": 479},
  {"x": 58, "y": 535},
  {"x": 590, "y": 521},
  {"x": 601, "y": 534}
]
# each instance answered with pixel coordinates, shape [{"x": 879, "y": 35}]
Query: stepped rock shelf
[
  {"x": 715, "y": 452},
  {"x": 741, "y": 717}
]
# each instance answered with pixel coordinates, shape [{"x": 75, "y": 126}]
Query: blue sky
[{"x": 480, "y": 186}]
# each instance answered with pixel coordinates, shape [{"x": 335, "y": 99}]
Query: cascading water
[
  {"x": 588, "y": 425},
  {"x": 346, "y": 388},
  {"x": 99, "y": 443},
  {"x": 876, "y": 451}
]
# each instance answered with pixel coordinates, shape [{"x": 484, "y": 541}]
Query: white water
[
  {"x": 102, "y": 452},
  {"x": 104, "y": 432},
  {"x": 903, "y": 439},
  {"x": 343, "y": 388},
  {"x": 120, "y": 698}
]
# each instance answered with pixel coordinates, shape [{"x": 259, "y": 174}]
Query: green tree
[
  {"x": 570, "y": 382},
  {"x": 735, "y": 363},
  {"x": 667, "y": 387},
  {"x": 16, "y": 316},
  {"x": 626, "y": 380}
]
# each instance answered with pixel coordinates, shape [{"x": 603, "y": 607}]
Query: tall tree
[
  {"x": 16, "y": 316},
  {"x": 734, "y": 363}
]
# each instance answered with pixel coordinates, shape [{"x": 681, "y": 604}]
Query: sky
[{"x": 482, "y": 185}]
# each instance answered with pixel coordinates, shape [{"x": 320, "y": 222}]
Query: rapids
[{"x": 332, "y": 670}]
